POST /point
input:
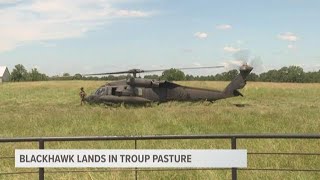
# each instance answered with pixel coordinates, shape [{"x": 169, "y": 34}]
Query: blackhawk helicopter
[{"x": 143, "y": 91}]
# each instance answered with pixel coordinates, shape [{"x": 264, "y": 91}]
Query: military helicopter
[{"x": 143, "y": 91}]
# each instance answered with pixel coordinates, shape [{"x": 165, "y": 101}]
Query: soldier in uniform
[{"x": 82, "y": 95}]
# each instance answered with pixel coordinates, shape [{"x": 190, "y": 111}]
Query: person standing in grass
[{"x": 82, "y": 95}]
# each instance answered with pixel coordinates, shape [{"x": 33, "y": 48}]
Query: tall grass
[{"x": 53, "y": 109}]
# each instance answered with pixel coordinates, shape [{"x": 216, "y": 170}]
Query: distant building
[{"x": 4, "y": 74}]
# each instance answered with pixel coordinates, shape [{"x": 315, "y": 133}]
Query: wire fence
[{"x": 233, "y": 142}]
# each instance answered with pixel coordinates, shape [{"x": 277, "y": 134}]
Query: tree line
[
  {"x": 293, "y": 74},
  {"x": 284, "y": 74},
  {"x": 19, "y": 73}
]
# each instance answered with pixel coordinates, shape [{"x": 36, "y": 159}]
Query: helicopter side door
[
  {"x": 121, "y": 91},
  {"x": 116, "y": 91},
  {"x": 113, "y": 91}
]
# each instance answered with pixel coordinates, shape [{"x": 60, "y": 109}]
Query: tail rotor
[{"x": 243, "y": 59}]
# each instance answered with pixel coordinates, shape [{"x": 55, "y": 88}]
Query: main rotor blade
[
  {"x": 186, "y": 68},
  {"x": 99, "y": 74},
  {"x": 136, "y": 71}
]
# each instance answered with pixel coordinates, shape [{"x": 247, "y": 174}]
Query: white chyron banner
[{"x": 178, "y": 158}]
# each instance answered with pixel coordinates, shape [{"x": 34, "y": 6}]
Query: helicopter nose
[{"x": 88, "y": 98}]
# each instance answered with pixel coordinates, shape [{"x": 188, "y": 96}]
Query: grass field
[{"x": 53, "y": 109}]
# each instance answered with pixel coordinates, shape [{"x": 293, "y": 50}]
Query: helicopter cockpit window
[{"x": 100, "y": 91}]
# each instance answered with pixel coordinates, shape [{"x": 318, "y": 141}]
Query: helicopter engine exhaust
[{"x": 146, "y": 83}]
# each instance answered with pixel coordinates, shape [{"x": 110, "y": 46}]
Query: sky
[{"x": 94, "y": 36}]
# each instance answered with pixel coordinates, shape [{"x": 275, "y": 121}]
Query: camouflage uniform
[{"x": 82, "y": 95}]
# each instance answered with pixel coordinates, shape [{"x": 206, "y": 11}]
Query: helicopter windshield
[{"x": 100, "y": 91}]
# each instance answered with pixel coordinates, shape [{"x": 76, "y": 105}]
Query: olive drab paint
[{"x": 143, "y": 91}]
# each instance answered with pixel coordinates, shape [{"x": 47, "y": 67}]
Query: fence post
[
  {"x": 41, "y": 170},
  {"x": 234, "y": 146},
  {"x": 135, "y": 171}
]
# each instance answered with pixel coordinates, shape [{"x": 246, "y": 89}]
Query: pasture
[{"x": 35, "y": 109}]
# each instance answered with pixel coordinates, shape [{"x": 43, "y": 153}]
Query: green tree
[
  {"x": 253, "y": 77},
  {"x": 270, "y": 76},
  {"x": 230, "y": 75},
  {"x": 282, "y": 75},
  {"x": 189, "y": 77},
  {"x": 77, "y": 77},
  {"x": 154, "y": 76},
  {"x": 35, "y": 75},
  {"x": 226, "y": 76},
  {"x": 173, "y": 75},
  {"x": 66, "y": 74},
  {"x": 19, "y": 73},
  {"x": 295, "y": 74},
  {"x": 312, "y": 77}
]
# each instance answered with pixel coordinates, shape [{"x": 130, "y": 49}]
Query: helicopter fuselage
[
  {"x": 146, "y": 91},
  {"x": 142, "y": 91}
]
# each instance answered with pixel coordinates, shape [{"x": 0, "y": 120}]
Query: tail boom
[{"x": 238, "y": 82}]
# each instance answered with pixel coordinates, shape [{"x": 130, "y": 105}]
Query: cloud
[
  {"x": 201, "y": 35},
  {"x": 231, "y": 49},
  {"x": 24, "y": 22},
  {"x": 288, "y": 36},
  {"x": 127, "y": 13},
  {"x": 196, "y": 64},
  {"x": 187, "y": 50},
  {"x": 224, "y": 27},
  {"x": 240, "y": 42},
  {"x": 8, "y": 1},
  {"x": 291, "y": 46}
]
